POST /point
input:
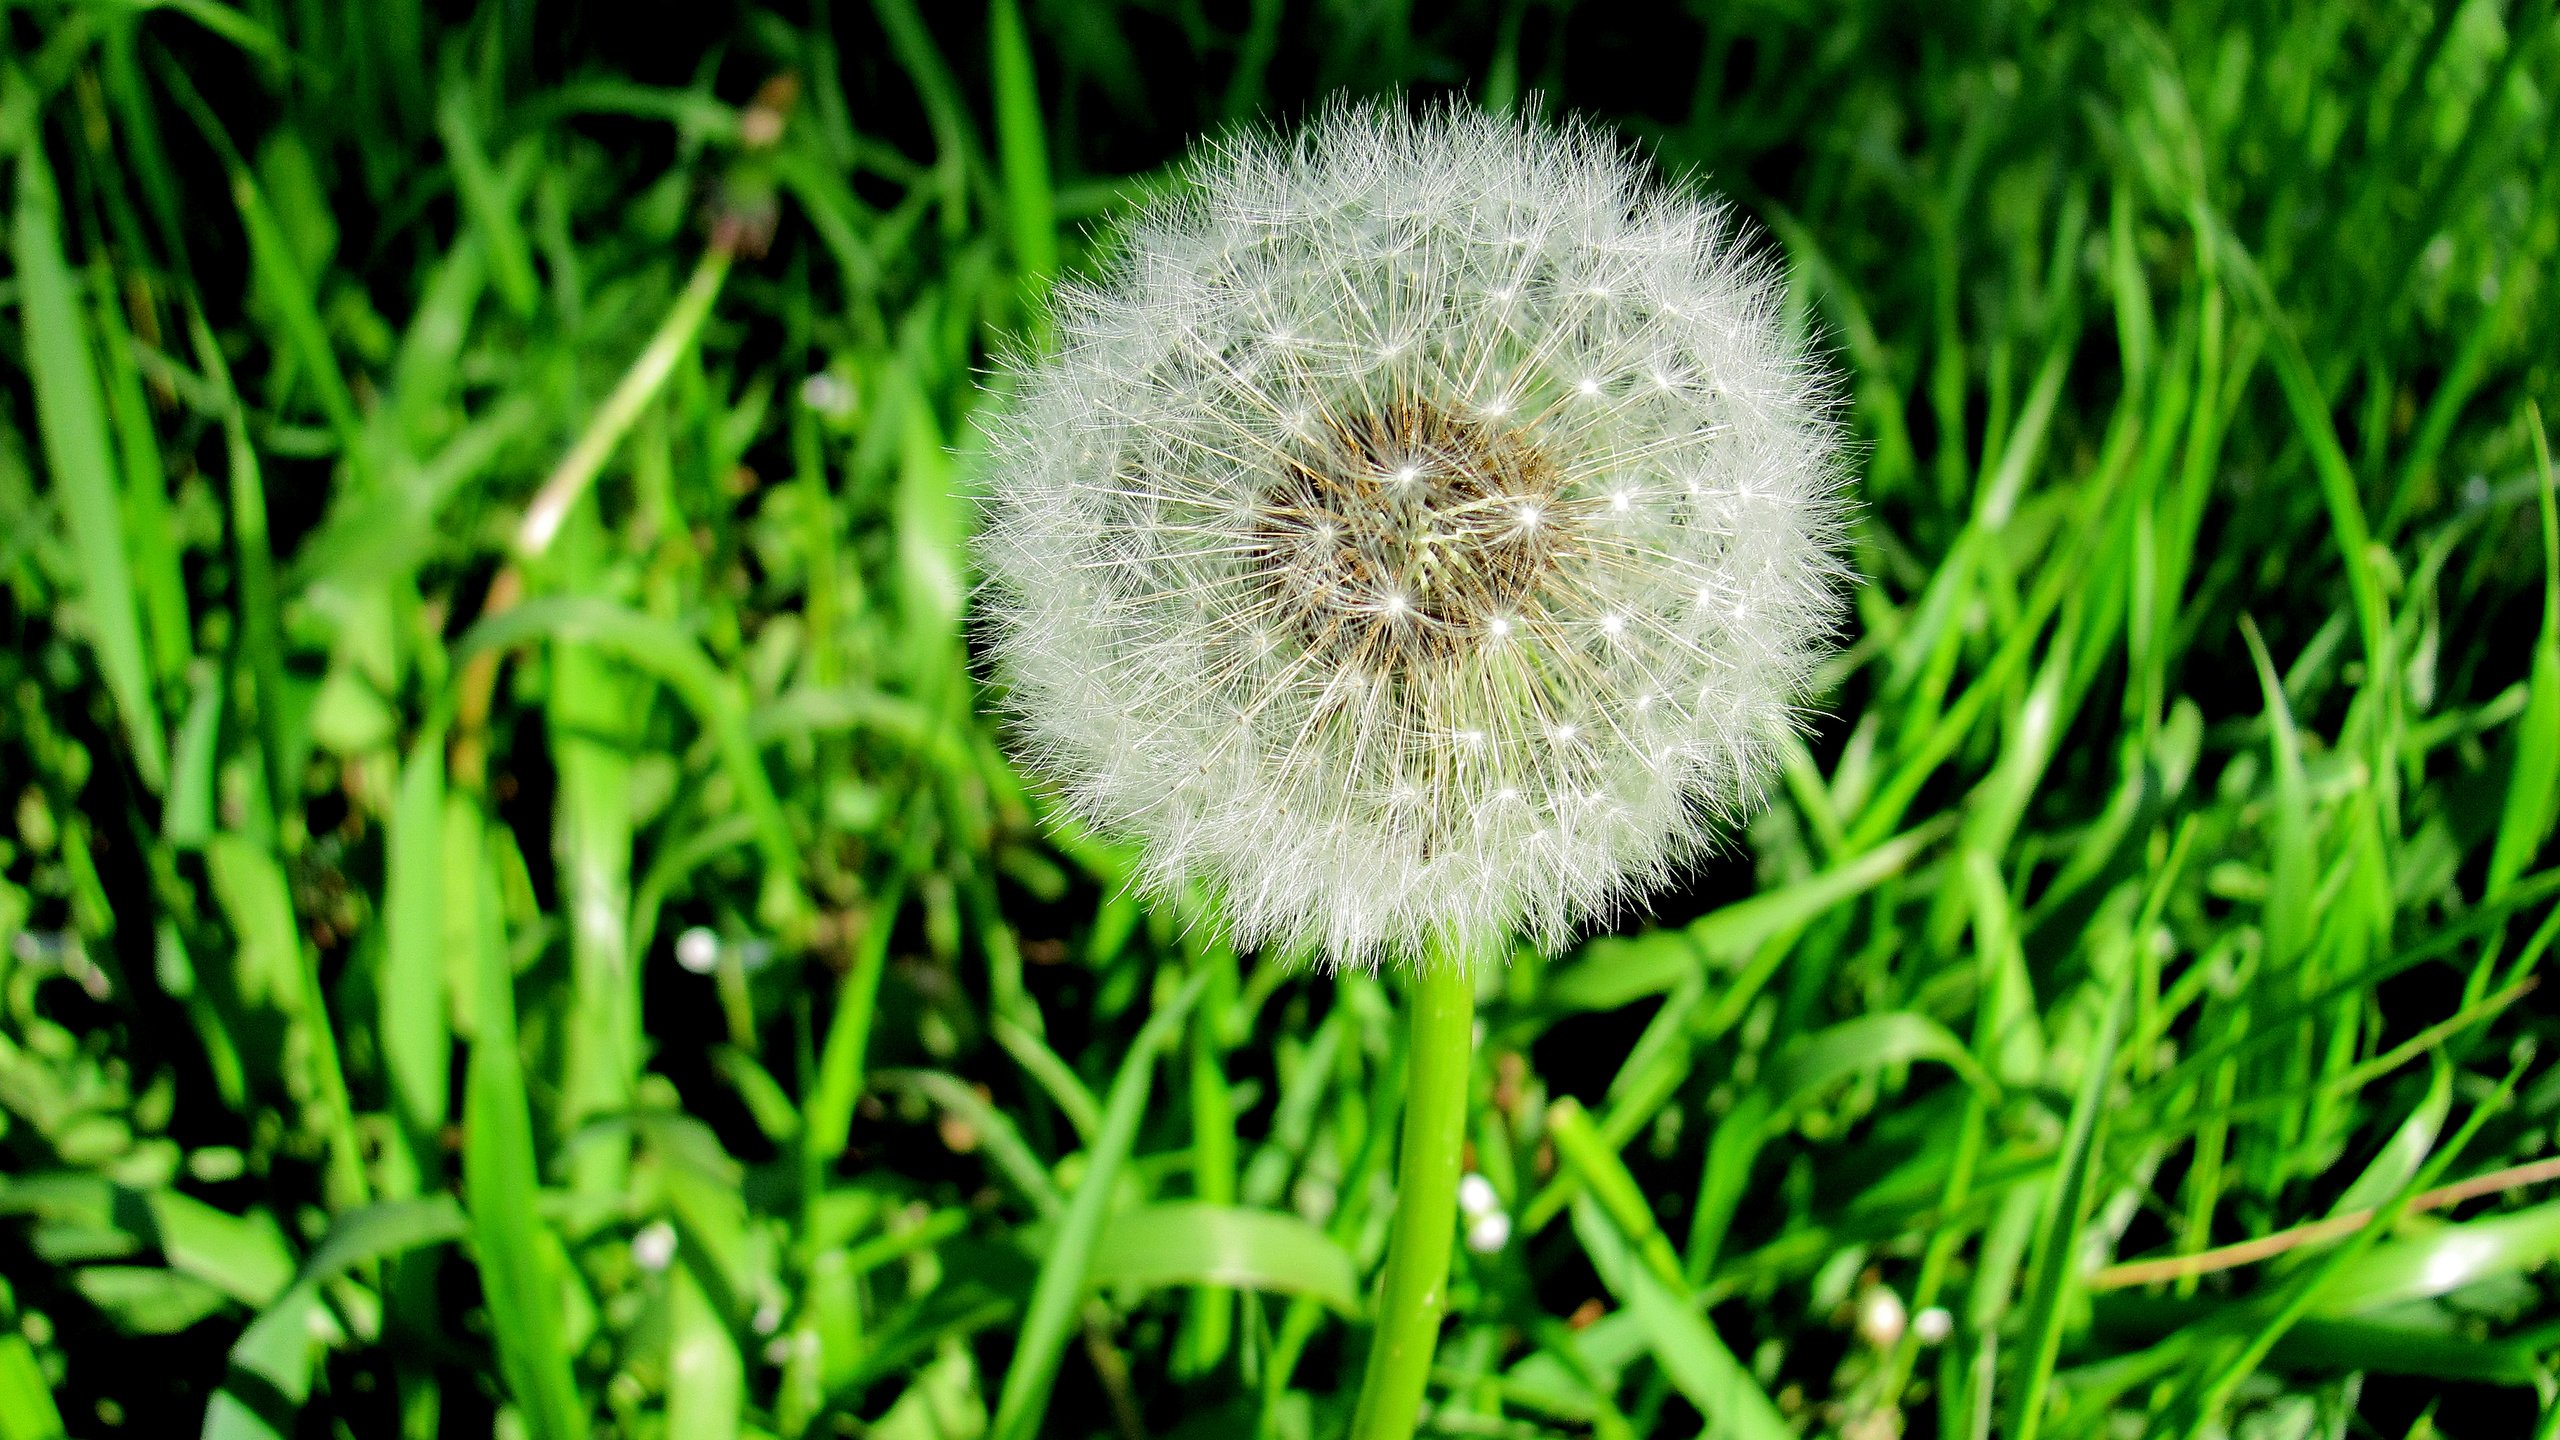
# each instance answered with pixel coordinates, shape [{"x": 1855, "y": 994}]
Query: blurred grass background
[{"x": 513, "y": 924}]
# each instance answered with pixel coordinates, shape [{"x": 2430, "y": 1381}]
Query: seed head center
[{"x": 1403, "y": 536}]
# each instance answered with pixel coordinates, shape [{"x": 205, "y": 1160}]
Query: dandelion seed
[{"x": 1297, "y": 607}]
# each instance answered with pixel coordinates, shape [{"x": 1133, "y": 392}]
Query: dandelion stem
[{"x": 1416, "y": 1289}]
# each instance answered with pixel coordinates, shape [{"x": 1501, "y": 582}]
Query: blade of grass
[
  {"x": 486, "y": 203},
  {"x": 955, "y": 140},
  {"x": 1048, "y": 1322},
  {"x": 1022, "y": 146},
  {"x": 592, "y": 711},
  {"x": 842, "y": 1064},
  {"x": 279, "y": 272},
  {"x": 2299, "y": 1300},
  {"x": 71, "y": 421},
  {"x": 706, "y": 1381},
  {"x": 2058, "y": 1230},
  {"x": 2533, "y": 787},
  {"x": 260, "y": 614},
  {"x": 662, "y": 650},
  {"x": 640, "y": 384},
  {"x": 501, "y": 1190},
  {"x": 151, "y": 528},
  {"x": 1627, "y": 1247},
  {"x": 416, "y": 1045}
]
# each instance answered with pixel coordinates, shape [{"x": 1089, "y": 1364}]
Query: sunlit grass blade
[
  {"x": 2064, "y": 1213},
  {"x": 2533, "y": 787},
  {"x": 71, "y": 418},
  {"x": 592, "y": 714},
  {"x": 413, "y": 1031},
  {"x": 706, "y": 1382},
  {"x": 501, "y": 1189}
]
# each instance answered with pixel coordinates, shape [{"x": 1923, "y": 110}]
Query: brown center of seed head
[{"x": 1403, "y": 537}]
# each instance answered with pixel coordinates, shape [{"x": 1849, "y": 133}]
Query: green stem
[{"x": 1416, "y": 1292}]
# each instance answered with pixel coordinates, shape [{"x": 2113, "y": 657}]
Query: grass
[{"x": 514, "y": 924}]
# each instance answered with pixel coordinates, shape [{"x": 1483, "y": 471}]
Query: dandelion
[{"x": 1421, "y": 537}]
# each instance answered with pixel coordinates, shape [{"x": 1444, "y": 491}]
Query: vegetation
[{"x": 513, "y": 923}]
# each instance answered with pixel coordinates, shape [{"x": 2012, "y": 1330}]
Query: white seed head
[{"x": 1464, "y": 610}]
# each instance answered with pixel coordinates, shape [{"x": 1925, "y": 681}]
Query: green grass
[{"x": 483, "y": 507}]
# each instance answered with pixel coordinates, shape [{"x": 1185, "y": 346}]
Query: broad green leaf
[
  {"x": 26, "y": 1401},
  {"x": 706, "y": 1383},
  {"x": 1154, "y": 1247},
  {"x": 2441, "y": 1259},
  {"x": 147, "y": 1299},
  {"x": 244, "y": 1257},
  {"x": 415, "y": 1035},
  {"x": 278, "y": 1348}
]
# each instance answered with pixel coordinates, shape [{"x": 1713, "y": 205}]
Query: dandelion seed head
[{"x": 1353, "y": 546}]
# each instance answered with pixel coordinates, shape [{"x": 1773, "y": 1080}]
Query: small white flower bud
[
  {"x": 828, "y": 394},
  {"x": 653, "y": 1248},
  {"x": 1476, "y": 1195},
  {"x": 1488, "y": 1233},
  {"x": 1933, "y": 1325},
  {"x": 698, "y": 950},
  {"x": 1881, "y": 1317}
]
